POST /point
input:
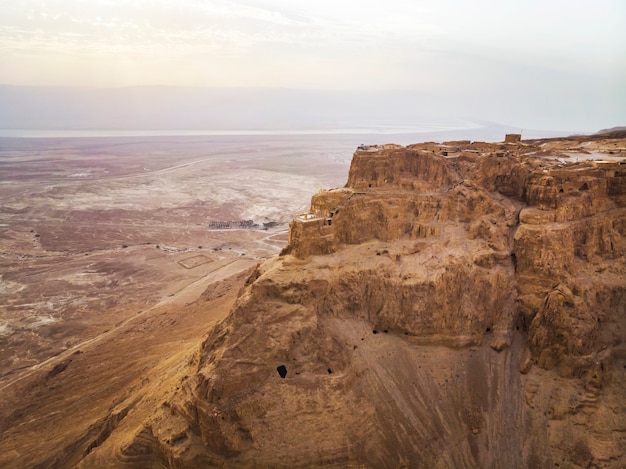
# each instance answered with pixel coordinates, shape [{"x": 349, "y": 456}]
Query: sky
[{"x": 480, "y": 53}]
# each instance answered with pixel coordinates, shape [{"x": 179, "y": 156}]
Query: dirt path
[{"x": 268, "y": 242}]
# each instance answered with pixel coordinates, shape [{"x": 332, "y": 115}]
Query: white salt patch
[{"x": 43, "y": 321}]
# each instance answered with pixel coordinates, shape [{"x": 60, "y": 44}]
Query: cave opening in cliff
[{"x": 282, "y": 371}]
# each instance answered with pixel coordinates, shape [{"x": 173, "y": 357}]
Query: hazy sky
[{"x": 478, "y": 50}]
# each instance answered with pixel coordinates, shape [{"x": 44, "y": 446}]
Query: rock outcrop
[{"x": 455, "y": 305}]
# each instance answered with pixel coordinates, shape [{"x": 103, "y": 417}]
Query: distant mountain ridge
[
  {"x": 613, "y": 132},
  {"x": 612, "y": 129},
  {"x": 157, "y": 107},
  {"x": 274, "y": 109}
]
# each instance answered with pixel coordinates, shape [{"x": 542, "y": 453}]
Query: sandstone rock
[{"x": 500, "y": 343}]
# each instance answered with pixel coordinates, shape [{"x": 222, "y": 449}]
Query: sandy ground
[{"x": 95, "y": 231}]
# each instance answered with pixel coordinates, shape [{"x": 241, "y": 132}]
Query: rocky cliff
[{"x": 454, "y": 305}]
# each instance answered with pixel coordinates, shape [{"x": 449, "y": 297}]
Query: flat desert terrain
[{"x": 97, "y": 231}]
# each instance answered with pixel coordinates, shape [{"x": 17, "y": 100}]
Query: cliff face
[
  {"x": 537, "y": 235},
  {"x": 456, "y": 305}
]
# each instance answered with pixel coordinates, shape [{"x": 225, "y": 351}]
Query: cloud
[
  {"x": 215, "y": 24},
  {"x": 419, "y": 44}
]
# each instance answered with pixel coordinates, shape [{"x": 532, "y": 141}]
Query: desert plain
[{"x": 94, "y": 231}]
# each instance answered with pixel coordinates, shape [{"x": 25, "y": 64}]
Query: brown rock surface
[{"x": 466, "y": 310}]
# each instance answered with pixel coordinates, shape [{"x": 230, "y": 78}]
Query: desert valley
[{"x": 183, "y": 302}]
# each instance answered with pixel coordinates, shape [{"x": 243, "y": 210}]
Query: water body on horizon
[
  {"x": 405, "y": 133},
  {"x": 363, "y": 129}
]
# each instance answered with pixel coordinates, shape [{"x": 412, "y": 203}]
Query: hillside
[{"x": 454, "y": 305}]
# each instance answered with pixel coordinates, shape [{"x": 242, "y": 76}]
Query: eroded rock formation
[{"x": 455, "y": 305}]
